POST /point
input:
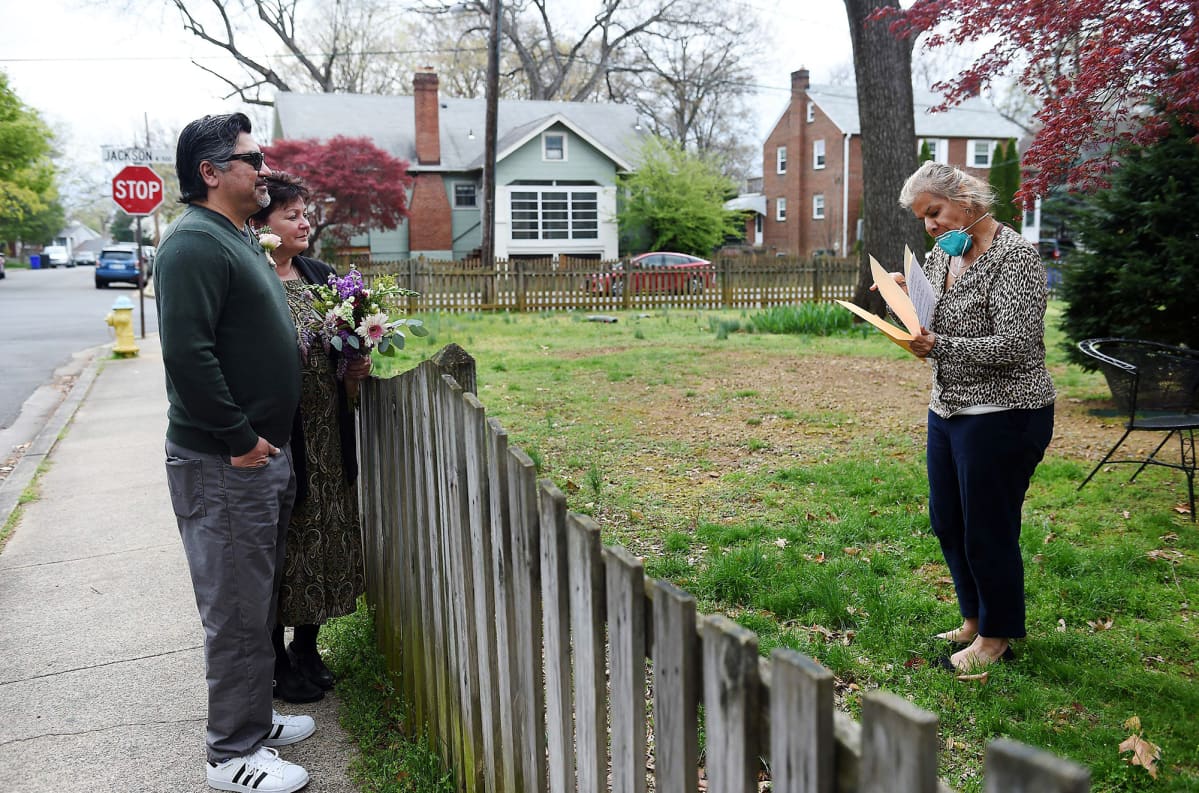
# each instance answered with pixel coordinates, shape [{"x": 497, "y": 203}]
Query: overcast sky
[{"x": 95, "y": 73}]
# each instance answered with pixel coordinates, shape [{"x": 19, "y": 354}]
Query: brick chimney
[
  {"x": 799, "y": 81},
  {"x": 428, "y": 124}
]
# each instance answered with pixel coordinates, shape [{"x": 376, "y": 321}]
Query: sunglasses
[{"x": 254, "y": 158}]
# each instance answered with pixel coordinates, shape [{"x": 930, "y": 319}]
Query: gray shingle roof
[
  {"x": 389, "y": 121},
  {"x": 974, "y": 118}
]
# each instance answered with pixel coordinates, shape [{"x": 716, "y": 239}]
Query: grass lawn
[{"x": 780, "y": 479}]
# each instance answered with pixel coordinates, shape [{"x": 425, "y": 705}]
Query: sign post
[{"x": 137, "y": 190}]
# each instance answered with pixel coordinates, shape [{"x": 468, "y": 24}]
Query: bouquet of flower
[{"x": 355, "y": 319}]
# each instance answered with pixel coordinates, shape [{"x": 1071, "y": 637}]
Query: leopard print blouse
[{"x": 990, "y": 328}]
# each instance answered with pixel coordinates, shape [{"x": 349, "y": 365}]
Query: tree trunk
[{"x": 883, "y": 68}]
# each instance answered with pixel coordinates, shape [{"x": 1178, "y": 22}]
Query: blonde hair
[{"x": 949, "y": 183}]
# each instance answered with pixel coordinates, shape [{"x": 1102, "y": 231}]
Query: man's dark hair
[
  {"x": 283, "y": 189},
  {"x": 212, "y": 138}
]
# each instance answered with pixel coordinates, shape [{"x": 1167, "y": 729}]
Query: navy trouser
[
  {"x": 233, "y": 522},
  {"x": 979, "y": 467}
]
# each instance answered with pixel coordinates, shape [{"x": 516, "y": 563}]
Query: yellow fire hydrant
[{"x": 121, "y": 321}]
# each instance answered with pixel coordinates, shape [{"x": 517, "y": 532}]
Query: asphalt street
[{"x": 46, "y": 316}]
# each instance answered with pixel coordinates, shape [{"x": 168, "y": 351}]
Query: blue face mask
[{"x": 956, "y": 242}]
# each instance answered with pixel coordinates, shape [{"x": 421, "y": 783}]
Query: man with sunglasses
[{"x": 233, "y": 383}]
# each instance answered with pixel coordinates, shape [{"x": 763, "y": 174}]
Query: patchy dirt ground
[
  {"x": 762, "y": 415},
  {"x": 827, "y": 402}
]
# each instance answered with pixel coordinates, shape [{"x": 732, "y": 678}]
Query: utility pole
[{"x": 489, "y": 135}]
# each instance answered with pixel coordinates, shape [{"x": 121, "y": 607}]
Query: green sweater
[{"x": 228, "y": 340}]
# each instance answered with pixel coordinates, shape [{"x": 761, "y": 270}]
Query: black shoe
[
  {"x": 311, "y": 666},
  {"x": 292, "y": 686}
]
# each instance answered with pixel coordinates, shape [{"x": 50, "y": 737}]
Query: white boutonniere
[{"x": 269, "y": 241}]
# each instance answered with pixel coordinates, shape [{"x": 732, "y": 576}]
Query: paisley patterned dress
[{"x": 323, "y": 571}]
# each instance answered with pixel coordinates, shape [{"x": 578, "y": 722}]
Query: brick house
[
  {"x": 557, "y": 165},
  {"x": 811, "y": 198}
]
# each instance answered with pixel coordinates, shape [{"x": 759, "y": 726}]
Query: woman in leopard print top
[{"x": 991, "y": 413}]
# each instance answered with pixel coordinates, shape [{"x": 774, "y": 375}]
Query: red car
[{"x": 659, "y": 271}]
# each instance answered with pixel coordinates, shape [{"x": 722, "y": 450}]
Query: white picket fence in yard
[{"x": 524, "y": 645}]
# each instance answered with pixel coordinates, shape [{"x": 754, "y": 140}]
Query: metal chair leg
[
  {"x": 1188, "y": 465},
  {"x": 1106, "y": 457},
  {"x": 1153, "y": 454}
]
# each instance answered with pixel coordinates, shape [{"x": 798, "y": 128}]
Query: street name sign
[
  {"x": 136, "y": 155},
  {"x": 137, "y": 190}
]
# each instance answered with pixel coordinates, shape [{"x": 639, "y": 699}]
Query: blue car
[{"x": 118, "y": 265}]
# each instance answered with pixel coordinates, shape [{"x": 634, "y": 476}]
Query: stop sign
[{"x": 137, "y": 190}]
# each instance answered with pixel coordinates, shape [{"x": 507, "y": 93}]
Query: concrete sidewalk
[{"x": 101, "y": 662}]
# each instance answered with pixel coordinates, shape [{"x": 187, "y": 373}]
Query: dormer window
[{"x": 553, "y": 146}]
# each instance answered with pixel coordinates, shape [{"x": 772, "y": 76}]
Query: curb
[{"x": 47, "y": 437}]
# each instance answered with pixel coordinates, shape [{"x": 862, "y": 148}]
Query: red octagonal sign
[{"x": 137, "y": 190}]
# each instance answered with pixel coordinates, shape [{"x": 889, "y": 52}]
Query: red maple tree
[
  {"x": 1105, "y": 72},
  {"x": 356, "y": 186}
]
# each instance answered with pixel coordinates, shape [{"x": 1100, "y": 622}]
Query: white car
[{"x": 56, "y": 256}]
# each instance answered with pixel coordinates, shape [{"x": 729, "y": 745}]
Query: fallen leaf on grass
[
  {"x": 818, "y": 558},
  {"x": 980, "y": 678},
  {"x": 1049, "y": 538},
  {"x": 1061, "y": 626},
  {"x": 1169, "y": 554},
  {"x": 852, "y": 551},
  {"x": 781, "y": 542},
  {"x": 1144, "y": 753},
  {"x": 1100, "y": 624},
  {"x": 1182, "y": 509},
  {"x": 915, "y": 663}
]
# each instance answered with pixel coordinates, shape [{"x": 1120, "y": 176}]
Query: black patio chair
[{"x": 1157, "y": 387}]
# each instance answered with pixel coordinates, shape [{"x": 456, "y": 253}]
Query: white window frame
[
  {"x": 531, "y": 220},
  {"x": 818, "y": 155},
  {"x": 545, "y": 136},
  {"x": 818, "y": 206},
  {"x": 780, "y": 209},
  {"x": 971, "y": 145},
  {"x": 939, "y": 147},
  {"x": 811, "y": 112},
  {"x": 780, "y": 159}
]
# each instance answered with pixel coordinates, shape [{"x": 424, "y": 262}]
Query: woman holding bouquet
[{"x": 323, "y": 571}]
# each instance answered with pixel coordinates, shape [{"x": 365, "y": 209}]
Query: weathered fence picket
[
  {"x": 676, "y": 689},
  {"x": 584, "y": 559},
  {"x": 626, "y": 649},
  {"x": 555, "y": 604},
  {"x": 523, "y": 644}
]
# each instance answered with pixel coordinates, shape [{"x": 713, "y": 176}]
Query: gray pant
[{"x": 233, "y": 522}]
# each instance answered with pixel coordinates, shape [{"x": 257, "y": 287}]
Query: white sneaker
[
  {"x": 260, "y": 772},
  {"x": 286, "y": 730}
]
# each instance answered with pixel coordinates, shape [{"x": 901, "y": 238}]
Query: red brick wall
[
  {"x": 429, "y": 222},
  {"x": 800, "y": 233}
]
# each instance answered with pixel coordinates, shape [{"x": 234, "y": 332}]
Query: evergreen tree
[
  {"x": 926, "y": 153},
  {"x": 1135, "y": 273},
  {"x": 1012, "y": 163},
  {"x": 1004, "y": 178}
]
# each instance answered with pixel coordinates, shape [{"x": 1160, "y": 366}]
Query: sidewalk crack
[
  {"x": 86, "y": 558},
  {"x": 100, "y": 666},
  {"x": 100, "y": 729}
]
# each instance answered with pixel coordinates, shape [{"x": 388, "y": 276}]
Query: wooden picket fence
[
  {"x": 526, "y": 647},
  {"x": 568, "y": 284}
]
